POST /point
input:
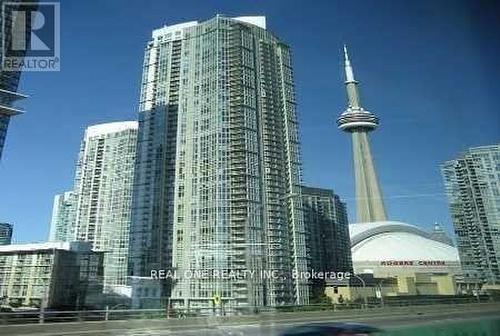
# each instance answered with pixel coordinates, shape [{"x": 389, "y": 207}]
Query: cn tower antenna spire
[{"x": 349, "y": 73}]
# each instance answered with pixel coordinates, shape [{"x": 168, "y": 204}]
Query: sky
[{"x": 428, "y": 69}]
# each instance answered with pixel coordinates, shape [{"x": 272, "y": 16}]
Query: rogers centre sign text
[{"x": 412, "y": 263}]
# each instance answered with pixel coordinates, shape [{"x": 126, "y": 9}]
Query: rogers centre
[{"x": 392, "y": 248}]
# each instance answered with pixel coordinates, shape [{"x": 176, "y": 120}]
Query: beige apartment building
[{"x": 52, "y": 275}]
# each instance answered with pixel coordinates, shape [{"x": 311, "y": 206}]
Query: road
[{"x": 260, "y": 325}]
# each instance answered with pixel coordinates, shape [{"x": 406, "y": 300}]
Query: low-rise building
[
  {"x": 411, "y": 284},
  {"x": 141, "y": 293},
  {"x": 51, "y": 275}
]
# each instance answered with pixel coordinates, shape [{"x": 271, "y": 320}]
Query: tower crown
[{"x": 354, "y": 117}]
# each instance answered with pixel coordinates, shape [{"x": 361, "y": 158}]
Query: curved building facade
[{"x": 391, "y": 248}]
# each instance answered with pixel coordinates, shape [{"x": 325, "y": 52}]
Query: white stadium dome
[{"x": 386, "y": 246}]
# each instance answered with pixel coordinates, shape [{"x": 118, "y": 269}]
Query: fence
[{"x": 51, "y": 316}]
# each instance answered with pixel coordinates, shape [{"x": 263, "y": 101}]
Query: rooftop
[
  {"x": 77, "y": 246},
  {"x": 112, "y": 127},
  {"x": 259, "y": 21},
  {"x": 391, "y": 240}
]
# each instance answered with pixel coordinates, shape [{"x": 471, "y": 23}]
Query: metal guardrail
[
  {"x": 388, "y": 301},
  {"x": 51, "y": 316}
]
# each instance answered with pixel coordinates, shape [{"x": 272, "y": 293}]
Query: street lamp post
[
  {"x": 477, "y": 293},
  {"x": 364, "y": 289},
  {"x": 381, "y": 293}
]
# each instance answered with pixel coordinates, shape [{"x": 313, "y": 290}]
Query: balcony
[{"x": 7, "y": 100}]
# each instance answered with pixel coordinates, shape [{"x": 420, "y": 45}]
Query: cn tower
[{"x": 359, "y": 122}]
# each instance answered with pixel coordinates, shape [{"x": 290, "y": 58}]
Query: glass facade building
[
  {"x": 103, "y": 194},
  {"x": 5, "y": 233},
  {"x": 9, "y": 80},
  {"x": 472, "y": 183},
  {"x": 63, "y": 217},
  {"x": 217, "y": 183},
  {"x": 327, "y": 227},
  {"x": 327, "y": 239}
]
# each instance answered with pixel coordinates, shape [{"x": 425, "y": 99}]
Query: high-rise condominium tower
[
  {"x": 5, "y": 233},
  {"x": 472, "y": 183},
  {"x": 327, "y": 240},
  {"x": 9, "y": 80},
  {"x": 358, "y": 122},
  {"x": 218, "y": 171},
  {"x": 103, "y": 194},
  {"x": 327, "y": 227},
  {"x": 63, "y": 217}
]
